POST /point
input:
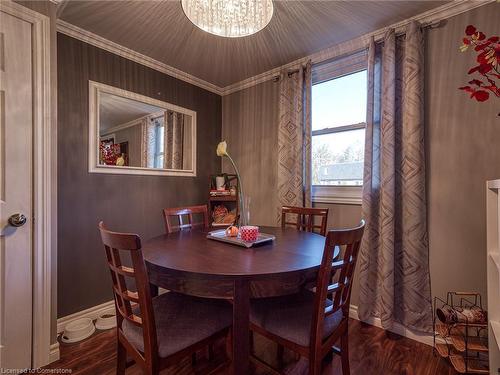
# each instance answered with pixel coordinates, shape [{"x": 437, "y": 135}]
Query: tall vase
[{"x": 245, "y": 210}]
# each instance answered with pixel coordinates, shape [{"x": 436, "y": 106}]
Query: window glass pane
[
  {"x": 160, "y": 139},
  {"x": 159, "y": 142},
  {"x": 159, "y": 161},
  {"x": 341, "y": 101},
  {"x": 337, "y": 158}
]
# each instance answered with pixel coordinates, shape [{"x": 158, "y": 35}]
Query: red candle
[{"x": 249, "y": 233}]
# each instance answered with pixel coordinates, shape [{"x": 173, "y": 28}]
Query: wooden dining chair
[
  {"x": 175, "y": 218},
  {"x": 310, "y": 322},
  {"x": 157, "y": 332},
  {"x": 304, "y": 218}
]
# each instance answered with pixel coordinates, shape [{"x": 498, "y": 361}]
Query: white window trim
[
  {"x": 340, "y": 194},
  {"x": 337, "y": 194},
  {"x": 339, "y": 129}
]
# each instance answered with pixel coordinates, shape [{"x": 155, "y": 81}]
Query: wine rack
[{"x": 463, "y": 342}]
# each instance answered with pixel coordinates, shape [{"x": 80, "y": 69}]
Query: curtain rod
[
  {"x": 423, "y": 26},
  {"x": 379, "y": 39}
]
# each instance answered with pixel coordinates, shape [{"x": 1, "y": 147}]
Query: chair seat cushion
[
  {"x": 181, "y": 321},
  {"x": 290, "y": 317}
]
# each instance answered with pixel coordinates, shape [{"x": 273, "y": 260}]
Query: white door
[{"x": 16, "y": 128}]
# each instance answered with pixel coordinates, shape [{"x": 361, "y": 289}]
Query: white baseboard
[
  {"x": 424, "y": 338},
  {"x": 92, "y": 313},
  {"x": 54, "y": 352}
]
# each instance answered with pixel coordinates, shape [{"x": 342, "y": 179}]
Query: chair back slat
[
  {"x": 339, "y": 290},
  {"x": 305, "y": 218},
  {"x": 122, "y": 270},
  {"x": 131, "y": 303},
  {"x": 135, "y": 320},
  {"x": 127, "y": 295},
  {"x": 182, "y": 218}
]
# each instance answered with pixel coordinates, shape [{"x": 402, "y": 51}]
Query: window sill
[{"x": 337, "y": 194}]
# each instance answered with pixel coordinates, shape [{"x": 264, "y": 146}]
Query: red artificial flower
[
  {"x": 482, "y": 58},
  {"x": 470, "y": 30},
  {"x": 476, "y": 82},
  {"x": 467, "y": 89},
  {"x": 485, "y": 68},
  {"x": 479, "y": 36},
  {"x": 491, "y": 81},
  {"x": 482, "y": 46},
  {"x": 495, "y": 55},
  {"x": 492, "y": 88},
  {"x": 488, "y": 64},
  {"x": 480, "y": 95},
  {"x": 472, "y": 70}
]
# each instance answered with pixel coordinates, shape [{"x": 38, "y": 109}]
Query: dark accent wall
[{"x": 124, "y": 202}]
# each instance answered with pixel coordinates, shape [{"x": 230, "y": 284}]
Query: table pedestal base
[{"x": 241, "y": 327}]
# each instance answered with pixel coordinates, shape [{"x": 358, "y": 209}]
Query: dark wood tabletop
[
  {"x": 188, "y": 262},
  {"x": 190, "y": 252}
]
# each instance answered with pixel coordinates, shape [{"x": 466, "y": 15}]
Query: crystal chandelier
[{"x": 229, "y": 18}]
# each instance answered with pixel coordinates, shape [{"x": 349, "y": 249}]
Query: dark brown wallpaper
[{"x": 125, "y": 203}]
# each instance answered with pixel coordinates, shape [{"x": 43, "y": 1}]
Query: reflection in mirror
[
  {"x": 131, "y": 133},
  {"x": 137, "y": 134}
]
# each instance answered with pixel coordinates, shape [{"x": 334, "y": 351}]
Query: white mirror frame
[{"x": 95, "y": 88}]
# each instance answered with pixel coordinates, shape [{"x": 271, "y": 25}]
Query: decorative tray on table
[{"x": 220, "y": 235}]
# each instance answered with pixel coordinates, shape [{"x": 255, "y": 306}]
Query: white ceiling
[{"x": 159, "y": 29}]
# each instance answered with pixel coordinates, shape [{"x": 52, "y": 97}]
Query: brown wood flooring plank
[{"x": 373, "y": 351}]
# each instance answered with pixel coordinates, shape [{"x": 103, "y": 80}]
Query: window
[
  {"x": 338, "y": 135},
  {"x": 159, "y": 141}
]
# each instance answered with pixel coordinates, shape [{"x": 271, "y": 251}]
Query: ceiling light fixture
[{"x": 229, "y": 18}]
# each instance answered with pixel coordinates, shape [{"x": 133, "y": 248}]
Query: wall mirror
[{"x": 134, "y": 134}]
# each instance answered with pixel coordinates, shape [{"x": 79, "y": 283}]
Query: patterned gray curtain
[
  {"x": 148, "y": 143},
  {"x": 294, "y": 139},
  {"x": 174, "y": 138},
  {"x": 394, "y": 259}
]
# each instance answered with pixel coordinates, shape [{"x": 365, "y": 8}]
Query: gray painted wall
[
  {"x": 248, "y": 118},
  {"x": 125, "y": 203},
  {"x": 463, "y": 151}
]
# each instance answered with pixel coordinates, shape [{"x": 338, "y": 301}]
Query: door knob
[{"x": 17, "y": 220}]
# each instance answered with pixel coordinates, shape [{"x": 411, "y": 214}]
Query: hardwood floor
[{"x": 372, "y": 352}]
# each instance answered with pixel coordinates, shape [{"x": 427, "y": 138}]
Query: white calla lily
[{"x": 222, "y": 151}]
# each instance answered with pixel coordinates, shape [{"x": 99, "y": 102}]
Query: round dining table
[{"x": 188, "y": 262}]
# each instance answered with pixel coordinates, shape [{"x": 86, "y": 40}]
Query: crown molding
[
  {"x": 105, "y": 44},
  {"x": 431, "y": 16}
]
